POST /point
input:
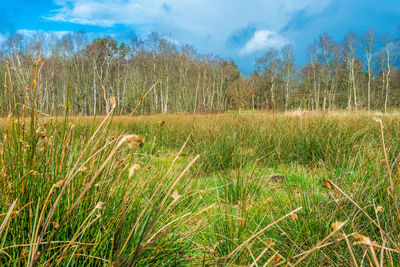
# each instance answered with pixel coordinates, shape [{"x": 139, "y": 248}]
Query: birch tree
[{"x": 368, "y": 46}]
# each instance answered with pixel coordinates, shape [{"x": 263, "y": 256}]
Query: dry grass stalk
[
  {"x": 259, "y": 256},
  {"x": 152, "y": 197},
  {"x": 350, "y": 249},
  {"x": 273, "y": 259},
  {"x": 79, "y": 231},
  {"x": 141, "y": 247},
  {"x": 126, "y": 139},
  {"x": 304, "y": 252},
  {"x": 69, "y": 178},
  {"x": 362, "y": 239},
  {"x": 37, "y": 238},
  {"x": 151, "y": 239},
  {"x": 336, "y": 227},
  {"x": 89, "y": 185},
  {"x": 269, "y": 244},
  {"x": 382, "y": 254},
  {"x": 377, "y": 210},
  {"x": 262, "y": 231},
  {"x": 366, "y": 214},
  {"x": 142, "y": 98},
  {"x": 389, "y": 172},
  {"x": 5, "y": 221}
]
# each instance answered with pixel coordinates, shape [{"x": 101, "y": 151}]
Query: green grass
[{"x": 224, "y": 209}]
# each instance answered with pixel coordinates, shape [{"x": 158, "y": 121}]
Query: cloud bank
[
  {"x": 205, "y": 24},
  {"x": 263, "y": 40}
]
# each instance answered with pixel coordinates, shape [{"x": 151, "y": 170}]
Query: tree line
[
  {"x": 362, "y": 72},
  {"x": 80, "y": 76}
]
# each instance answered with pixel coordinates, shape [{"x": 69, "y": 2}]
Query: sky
[{"x": 233, "y": 29}]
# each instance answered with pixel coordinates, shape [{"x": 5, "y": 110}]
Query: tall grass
[{"x": 250, "y": 189}]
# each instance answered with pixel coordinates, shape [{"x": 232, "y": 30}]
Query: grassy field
[{"x": 305, "y": 189}]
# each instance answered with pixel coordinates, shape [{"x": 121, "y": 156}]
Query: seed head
[
  {"x": 112, "y": 101},
  {"x": 41, "y": 134},
  {"x": 271, "y": 243},
  {"x": 378, "y": 120},
  {"x": 59, "y": 184},
  {"x": 379, "y": 209},
  {"x": 337, "y": 225},
  {"x": 276, "y": 259},
  {"x": 133, "y": 169},
  {"x": 99, "y": 205},
  {"x": 361, "y": 239},
  {"x": 134, "y": 140},
  {"x": 175, "y": 195},
  {"x": 24, "y": 252},
  {"x": 294, "y": 217},
  {"x": 327, "y": 184},
  {"x": 56, "y": 225}
]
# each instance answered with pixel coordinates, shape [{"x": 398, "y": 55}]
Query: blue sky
[{"x": 236, "y": 29}]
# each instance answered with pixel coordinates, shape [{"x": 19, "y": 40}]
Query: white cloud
[
  {"x": 107, "y": 13},
  {"x": 206, "y": 16},
  {"x": 203, "y": 23},
  {"x": 263, "y": 40}
]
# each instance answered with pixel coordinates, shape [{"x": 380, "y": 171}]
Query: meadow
[{"x": 296, "y": 189}]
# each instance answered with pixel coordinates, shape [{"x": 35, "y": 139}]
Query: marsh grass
[{"x": 234, "y": 189}]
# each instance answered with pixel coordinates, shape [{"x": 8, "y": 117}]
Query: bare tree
[
  {"x": 79, "y": 76},
  {"x": 390, "y": 55},
  {"x": 288, "y": 63},
  {"x": 269, "y": 66},
  {"x": 368, "y": 46},
  {"x": 330, "y": 55},
  {"x": 348, "y": 55},
  {"x": 313, "y": 59}
]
